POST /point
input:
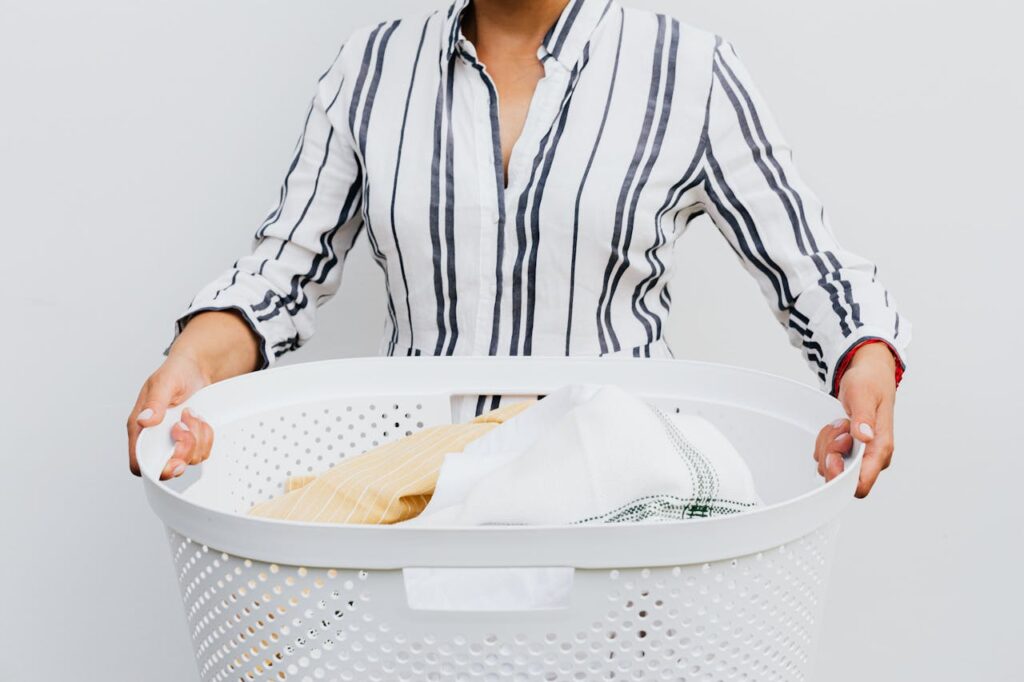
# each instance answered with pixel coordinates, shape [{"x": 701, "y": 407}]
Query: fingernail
[
  {"x": 841, "y": 436},
  {"x": 837, "y": 423},
  {"x": 178, "y": 470},
  {"x": 144, "y": 415},
  {"x": 183, "y": 426},
  {"x": 866, "y": 430},
  {"x": 830, "y": 460}
]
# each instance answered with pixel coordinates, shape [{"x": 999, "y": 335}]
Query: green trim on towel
[
  {"x": 703, "y": 504},
  {"x": 668, "y": 508}
]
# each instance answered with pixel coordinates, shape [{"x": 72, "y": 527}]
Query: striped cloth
[
  {"x": 390, "y": 483},
  {"x": 640, "y": 125}
]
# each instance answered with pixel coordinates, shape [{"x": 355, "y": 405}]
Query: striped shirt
[{"x": 640, "y": 124}]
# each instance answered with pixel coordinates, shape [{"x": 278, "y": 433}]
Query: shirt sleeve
[
  {"x": 298, "y": 252},
  {"x": 828, "y": 299}
]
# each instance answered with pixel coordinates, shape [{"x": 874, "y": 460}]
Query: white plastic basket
[{"x": 728, "y": 598}]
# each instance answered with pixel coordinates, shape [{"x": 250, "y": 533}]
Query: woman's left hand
[{"x": 867, "y": 391}]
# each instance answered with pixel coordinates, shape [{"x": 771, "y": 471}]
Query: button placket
[{"x": 488, "y": 201}]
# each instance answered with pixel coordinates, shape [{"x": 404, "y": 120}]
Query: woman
[{"x": 522, "y": 171}]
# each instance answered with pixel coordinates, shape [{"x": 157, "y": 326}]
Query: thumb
[
  {"x": 159, "y": 396},
  {"x": 149, "y": 410}
]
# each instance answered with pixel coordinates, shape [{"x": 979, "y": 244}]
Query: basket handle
[
  {"x": 155, "y": 445},
  {"x": 488, "y": 589}
]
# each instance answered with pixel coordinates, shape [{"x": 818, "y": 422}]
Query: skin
[
  {"x": 213, "y": 346},
  {"x": 219, "y": 345},
  {"x": 867, "y": 392},
  {"x": 506, "y": 36}
]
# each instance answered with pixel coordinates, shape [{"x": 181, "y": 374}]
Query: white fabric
[{"x": 591, "y": 454}]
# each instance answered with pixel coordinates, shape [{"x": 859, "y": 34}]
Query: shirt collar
[{"x": 564, "y": 42}]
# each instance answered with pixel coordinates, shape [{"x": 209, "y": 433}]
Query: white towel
[{"x": 591, "y": 454}]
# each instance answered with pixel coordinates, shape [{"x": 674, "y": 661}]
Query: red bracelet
[{"x": 847, "y": 358}]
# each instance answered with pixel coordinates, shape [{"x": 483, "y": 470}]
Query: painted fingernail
[
  {"x": 837, "y": 423},
  {"x": 144, "y": 415},
  {"x": 866, "y": 430},
  {"x": 183, "y": 426},
  {"x": 178, "y": 470}
]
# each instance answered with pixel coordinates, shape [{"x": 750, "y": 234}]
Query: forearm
[
  {"x": 221, "y": 343},
  {"x": 296, "y": 262}
]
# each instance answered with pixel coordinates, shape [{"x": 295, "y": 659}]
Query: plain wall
[{"x": 141, "y": 143}]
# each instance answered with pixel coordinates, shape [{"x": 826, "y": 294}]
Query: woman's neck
[{"x": 516, "y": 26}]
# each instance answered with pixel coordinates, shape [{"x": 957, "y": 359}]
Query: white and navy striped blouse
[{"x": 640, "y": 124}]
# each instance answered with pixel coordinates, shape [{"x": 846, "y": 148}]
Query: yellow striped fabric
[
  {"x": 296, "y": 482},
  {"x": 390, "y": 483}
]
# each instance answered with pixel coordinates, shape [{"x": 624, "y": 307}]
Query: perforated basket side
[{"x": 753, "y": 617}]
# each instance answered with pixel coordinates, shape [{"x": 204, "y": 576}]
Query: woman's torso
[{"x": 575, "y": 254}]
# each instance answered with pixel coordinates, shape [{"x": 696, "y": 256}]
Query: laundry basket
[{"x": 728, "y": 598}]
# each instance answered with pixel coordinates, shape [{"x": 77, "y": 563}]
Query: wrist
[
  {"x": 218, "y": 344},
  {"x": 184, "y": 352},
  {"x": 872, "y": 351}
]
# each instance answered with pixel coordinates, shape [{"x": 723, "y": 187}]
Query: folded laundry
[
  {"x": 591, "y": 454},
  {"x": 583, "y": 454},
  {"x": 387, "y": 484}
]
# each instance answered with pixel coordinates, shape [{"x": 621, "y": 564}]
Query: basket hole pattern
[
  {"x": 748, "y": 618},
  {"x": 263, "y": 451}
]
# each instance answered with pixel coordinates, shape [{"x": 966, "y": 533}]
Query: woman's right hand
[
  {"x": 213, "y": 346},
  {"x": 172, "y": 384}
]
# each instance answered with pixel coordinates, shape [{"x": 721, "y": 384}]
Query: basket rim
[{"x": 583, "y": 546}]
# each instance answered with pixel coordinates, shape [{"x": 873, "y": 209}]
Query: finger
[
  {"x": 834, "y": 465},
  {"x": 885, "y": 438},
  {"x": 825, "y": 441},
  {"x": 869, "y": 471},
  {"x": 133, "y": 434},
  {"x": 830, "y": 464},
  {"x": 878, "y": 452},
  {"x": 208, "y": 446},
  {"x": 190, "y": 424},
  {"x": 819, "y": 442},
  {"x": 206, "y": 438},
  {"x": 832, "y": 460},
  {"x": 826, "y": 434},
  {"x": 175, "y": 467},
  {"x": 185, "y": 443},
  {"x": 202, "y": 432},
  {"x": 820, "y": 457}
]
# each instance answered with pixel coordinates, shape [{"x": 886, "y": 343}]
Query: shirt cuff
[
  {"x": 847, "y": 357},
  {"x": 271, "y": 324}
]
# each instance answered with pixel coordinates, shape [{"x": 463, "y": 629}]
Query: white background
[{"x": 142, "y": 142}]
